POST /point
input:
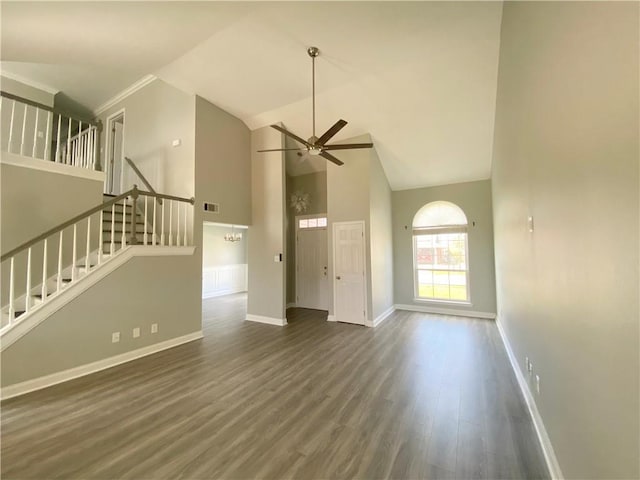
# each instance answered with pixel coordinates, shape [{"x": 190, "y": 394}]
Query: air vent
[{"x": 212, "y": 207}]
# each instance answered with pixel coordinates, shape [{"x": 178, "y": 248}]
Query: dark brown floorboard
[{"x": 421, "y": 396}]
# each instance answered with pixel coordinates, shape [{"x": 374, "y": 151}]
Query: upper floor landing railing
[{"x": 38, "y": 131}]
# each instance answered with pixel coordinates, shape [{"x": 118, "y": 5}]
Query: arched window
[{"x": 440, "y": 253}]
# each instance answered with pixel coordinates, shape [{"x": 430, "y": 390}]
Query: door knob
[{"x": 338, "y": 278}]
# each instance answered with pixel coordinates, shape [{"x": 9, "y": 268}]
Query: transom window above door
[
  {"x": 317, "y": 222},
  {"x": 440, "y": 253}
]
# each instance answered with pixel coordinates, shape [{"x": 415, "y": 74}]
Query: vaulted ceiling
[{"x": 420, "y": 77}]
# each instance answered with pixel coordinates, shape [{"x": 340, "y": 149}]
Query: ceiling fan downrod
[{"x": 313, "y": 53}]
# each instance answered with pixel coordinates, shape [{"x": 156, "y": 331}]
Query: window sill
[{"x": 443, "y": 302}]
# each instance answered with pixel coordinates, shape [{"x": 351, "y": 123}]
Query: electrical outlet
[
  {"x": 115, "y": 337},
  {"x": 154, "y": 328},
  {"x": 538, "y": 384},
  {"x": 136, "y": 332}
]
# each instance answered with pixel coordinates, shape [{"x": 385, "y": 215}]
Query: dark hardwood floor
[{"x": 420, "y": 396}]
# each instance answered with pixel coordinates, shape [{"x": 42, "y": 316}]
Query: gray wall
[
  {"x": 359, "y": 190},
  {"x": 474, "y": 198},
  {"x": 382, "y": 295},
  {"x": 155, "y": 116},
  {"x": 217, "y": 252},
  {"x": 348, "y": 189},
  {"x": 315, "y": 184},
  {"x": 566, "y": 152},
  {"x": 267, "y": 289},
  {"x": 223, "y": 164},
  {"x": 20, "y": 89},
  {"x": 28, "y": 193},
  {"x": 129, "y": 297}
]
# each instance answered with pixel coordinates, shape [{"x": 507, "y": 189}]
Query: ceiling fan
[{"x": 314, "y": 145}]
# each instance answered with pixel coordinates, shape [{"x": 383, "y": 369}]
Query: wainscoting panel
[{"x": 224, "y": 280}]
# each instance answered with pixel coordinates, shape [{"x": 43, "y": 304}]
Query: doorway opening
[
  {"x": 224, "y": 268},
  {"x": 307, "y": 238},
  {"x": 115, "y": 154}
]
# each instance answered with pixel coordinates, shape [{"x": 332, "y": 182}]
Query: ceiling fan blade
[
  {"x": 281, "y": 149},
  {"x": 292, "y": 135},
  {"x": 346, "y": 146},
  {"x": 331, "y": 158},
  {"x": 326, "y": 136}
]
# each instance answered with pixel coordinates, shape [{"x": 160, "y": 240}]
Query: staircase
[
  {"x": 112, "y": 218},
  {"x": 123, "y": 222}
]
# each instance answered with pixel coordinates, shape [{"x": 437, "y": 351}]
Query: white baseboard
[
  {"x": 291, "y": 305},
  {"x": 76, "y": 372},
  {"x": 268, "y": 320},
  {"x": 543, "y": 437},
  {"x": 384, "y": 315},
  {"x": 59, "y": 299},
  {"x": 446, "y": 311},
  {"x": 331, "y": 318}
]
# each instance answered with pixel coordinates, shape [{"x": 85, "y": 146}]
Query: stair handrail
[
  {"x": 134, "y": 193},
  {"x": 137, "y": 171}
]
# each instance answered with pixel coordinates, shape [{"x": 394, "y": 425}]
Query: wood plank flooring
[{"x": 421, "y": 396}]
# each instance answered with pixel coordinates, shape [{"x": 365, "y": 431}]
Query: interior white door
[
  {"x": 349, "y": 272},
  {"x": 115, "y": 160},
  {"x": 311, "y": 263}
]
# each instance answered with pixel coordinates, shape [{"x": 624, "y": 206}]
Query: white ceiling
[{"x": 420, "y": 77}]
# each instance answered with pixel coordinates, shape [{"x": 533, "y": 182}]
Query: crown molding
[
  {"x": 131, "y": 89},
  {"x": 29, "y": 83}
]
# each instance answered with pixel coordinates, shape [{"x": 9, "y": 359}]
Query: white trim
[
  {"x": 89, "y": 368},
  {"x": 331, "y": 318},
  {"x": 543, "y": 437},
  {"x": 107, "y": 167},
  {"x": 446, "y": 311},
  {"x": 366, "y": 321},
  {"x": 42, "y": 311},
  {"x": 52, "y": 167},
  {"x": 268, "y": 320},
  {"x": 30, "y": 83},
  {"x": 384, "y": 315},
  {"x": 131, "y": 89}
]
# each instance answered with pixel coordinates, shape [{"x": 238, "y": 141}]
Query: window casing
[{"x": 440, "y": 253}]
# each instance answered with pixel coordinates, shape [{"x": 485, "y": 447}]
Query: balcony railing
[{"x": 35, "y": 130}]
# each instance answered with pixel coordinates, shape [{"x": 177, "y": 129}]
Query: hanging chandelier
[{"x": 233, "y": 236}]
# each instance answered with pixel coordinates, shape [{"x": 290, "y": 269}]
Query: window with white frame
[
  {"x": 440, "y": 253},
  {"x": 316, "y": 222}
]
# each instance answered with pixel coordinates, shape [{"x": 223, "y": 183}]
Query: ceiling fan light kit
[{"x": 313, "y": 145}]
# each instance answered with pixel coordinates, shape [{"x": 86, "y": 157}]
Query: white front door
[
  {"x": 311, "y": 274},
  {"x": 349, "y": 272}
]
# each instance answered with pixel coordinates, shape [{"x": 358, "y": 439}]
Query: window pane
[
  {"x": 313, "y": 222},
  {"x": 304, "y": 223},
  {"x": 322, "y": 222},
  {"x": 441, "y": 263}
]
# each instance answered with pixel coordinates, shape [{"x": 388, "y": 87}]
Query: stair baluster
[
  {"x": 87, "y": 262},
  {"x": 13, "y": 114},
  {"x": 144, "y": 237},
  {"x": 44, "y": 270},
  {"x": 162, "y": 226},
  {"x": 24, "y": 129},
  {"x": 112, "y": 247},
  {"x": 74, "y": 252},
  {"x": 28, "y": 289},
  {"x": 59, "y": 279},
  {"x": 35, "y": 135},
  {"x": 12, "y": 307}
]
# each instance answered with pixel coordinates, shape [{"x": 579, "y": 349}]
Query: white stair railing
[
  {"x": 44, "y": 133},
  {"x": 80, "y": 245}
]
